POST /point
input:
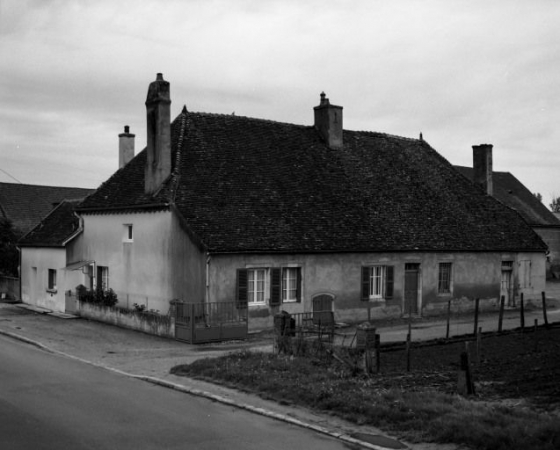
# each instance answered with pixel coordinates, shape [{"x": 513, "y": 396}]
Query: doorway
[
  {"x": 506, "y": 285},
  {"x": 411, "y": 288}
]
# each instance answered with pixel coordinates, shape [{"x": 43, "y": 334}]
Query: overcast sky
[{"x": 74, "y": 72}]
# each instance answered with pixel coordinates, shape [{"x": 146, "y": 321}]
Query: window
[
  {"x": 273, "y": 285},
  {"x": 444, "y": 280},
  {"x": 255, "y": 286},
  {"x": 377, "y": 282},
  {"x": 102, "y": 278},
  {"x": 52, "y": 280},
  {"x": 291, "y": 284},
  {"x": 128, "y": 236}
]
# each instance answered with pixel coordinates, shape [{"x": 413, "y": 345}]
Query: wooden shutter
[
  {"x": 275, "y": 286},
  {"x": 365, "y": 284},
  {"x": 298, "y": 284},
  {"x": 242, "y": 288},
  {"x": 389, "y": 281}
]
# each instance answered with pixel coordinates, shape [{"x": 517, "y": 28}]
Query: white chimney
[{"x": 126, "y": 147}]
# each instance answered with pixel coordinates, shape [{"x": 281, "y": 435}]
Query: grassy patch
[{"x": 418, "y": 415}]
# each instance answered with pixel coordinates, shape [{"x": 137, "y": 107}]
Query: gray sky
[{"x": 74, "y": 72}]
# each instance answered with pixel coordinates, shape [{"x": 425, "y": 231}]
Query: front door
[
  {"x": 411, "y": 288},
  {"x": 505, "y": 287},
  {"x": 322, "y": 309}
]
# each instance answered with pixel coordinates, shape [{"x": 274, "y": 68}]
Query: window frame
[
  {"x": 102, "y": 281},
  {"x": 128, "y": 234},
  {"x": 445, "y": 278},
  {"x": 291, "y": 285},
  {"x": 251, "y": 289},
  {"x": 51, "y": 280},
  {"x": 384, "y": 279}
]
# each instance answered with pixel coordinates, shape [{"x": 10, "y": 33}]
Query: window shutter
[
  {"x": 242, "y": 288},
  {"x": 275, "y": 286},
  {"x": 298, "y": 284},
  {"x": 389, "y": 281},
  {"x": 365, "y": 284}
]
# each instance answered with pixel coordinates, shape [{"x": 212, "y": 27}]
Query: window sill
[
  {"x": 52, "y": 291},
  {"x": 257, "y": 304},
  {"x": 445, "y": 294}
]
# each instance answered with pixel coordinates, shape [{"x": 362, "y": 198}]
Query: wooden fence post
[
  {"x": 522, "y": 313},
  {"x": 476, "y": 302},
  {"x": 501, "y": 317},
  {"x": 408, "y": 352},
  {"x": 448, "y": 318},
  {"x": 465, "y": 384},
  {"x": 377, "y": 353},
  {"x": 478, "y": 339},
  {"x": 544, "y": 310}
]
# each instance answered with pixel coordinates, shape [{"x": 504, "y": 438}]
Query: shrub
[{"x": 98, "y": 297}]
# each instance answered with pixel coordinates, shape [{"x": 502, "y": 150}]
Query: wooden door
[{"x": 411, "y": 288}]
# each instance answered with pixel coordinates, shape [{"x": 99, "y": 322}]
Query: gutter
[{"x": 124, "y": 208}]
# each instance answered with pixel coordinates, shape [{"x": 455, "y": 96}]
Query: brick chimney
[
  {"x": 328, "y": 121},
  {"x": 158, "y": 112},
  {"x": 126, "y": 147},
  {"x": 482, "y": 165}
]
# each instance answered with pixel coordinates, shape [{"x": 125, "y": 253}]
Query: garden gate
[{"x": 197, "y": 323}]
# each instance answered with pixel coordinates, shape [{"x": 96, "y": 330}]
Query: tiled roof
[
  {"x": 26, "y": 204},
  {"x": 61, "y": 224},
  {"x": 251, "y": 185},
  {"x": 511, "y": 192}
]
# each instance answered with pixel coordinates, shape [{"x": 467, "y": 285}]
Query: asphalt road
[{"x": 50, "y": 401}]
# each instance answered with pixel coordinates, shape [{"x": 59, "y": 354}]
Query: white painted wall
[
  {"x": 160, "y": 263},
  {"x": 35, "y": 264}
]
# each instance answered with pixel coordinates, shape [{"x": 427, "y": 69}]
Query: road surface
[{"x": 48, "y": 401}]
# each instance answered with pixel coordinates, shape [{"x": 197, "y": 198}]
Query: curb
[{"x": 208, "y": 395}]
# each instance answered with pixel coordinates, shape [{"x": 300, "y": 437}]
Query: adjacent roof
[
  {"x": 26, "y": 204},
  {"x": 251, "y": 185},
  {"x": 55, "y": 230},
  {"x": 511, "y": 192}
]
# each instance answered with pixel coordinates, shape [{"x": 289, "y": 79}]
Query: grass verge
[{"x": 422, "y": 415}]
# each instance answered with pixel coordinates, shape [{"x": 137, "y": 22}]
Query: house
[
  {"x": 508, "y": 190},
  {"x": 45, "y": 255},
  {"x": 25, "y": 205},
  {"x": 278, "y": 216}
]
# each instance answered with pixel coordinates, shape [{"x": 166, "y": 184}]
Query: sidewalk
[{"x": 150, "y": 358}]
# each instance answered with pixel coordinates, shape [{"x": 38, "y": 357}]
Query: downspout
[{"x": 207, "y": 281}]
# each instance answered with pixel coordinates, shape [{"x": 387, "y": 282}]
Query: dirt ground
[{"x": 517, "y": 368}]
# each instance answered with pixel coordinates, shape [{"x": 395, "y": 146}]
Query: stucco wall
[
  {"x": 475, "y": 275},
  {"x": 160, "y": 264},
  {"x": 35, "y": 263}
]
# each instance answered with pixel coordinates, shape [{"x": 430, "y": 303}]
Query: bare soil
[{"x": 513, "y": 366}]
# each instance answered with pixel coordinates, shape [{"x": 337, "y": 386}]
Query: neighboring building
[
  {"x": 25, "y": 205},
  {"x": 276, "y": 215},
  {"x": 45, "y": 255},
  {"x": 507, "y": 189}
]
